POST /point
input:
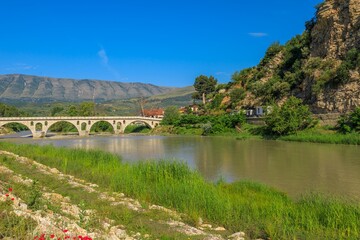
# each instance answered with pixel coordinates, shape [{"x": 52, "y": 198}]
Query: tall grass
[
  {"x": 334, "y": 138},
  {"x": 254, "y": 208}
]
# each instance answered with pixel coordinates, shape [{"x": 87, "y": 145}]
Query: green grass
[
  {"x": 242, "y": 206},
  {"x": 21, "y": 228},
  {"x": 321, "y": 136}
]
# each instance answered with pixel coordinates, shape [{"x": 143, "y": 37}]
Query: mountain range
[{"x": 21, "y": 88}]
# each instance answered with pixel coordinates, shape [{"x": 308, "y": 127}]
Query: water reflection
[{"x": 292, "y": 167}]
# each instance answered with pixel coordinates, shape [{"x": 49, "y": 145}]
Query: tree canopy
[{"x": 204, "y": 85}]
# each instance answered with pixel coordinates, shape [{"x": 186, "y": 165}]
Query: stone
[
  {"x": 237, "y": 236},
  {"x": 219, "y": 229}
]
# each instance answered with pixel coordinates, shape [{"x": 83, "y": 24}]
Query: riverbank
[
  {"x": 259, "y": 211},
  {"x": 248, "y": 131},
  {"x": 45, "y": 203}
]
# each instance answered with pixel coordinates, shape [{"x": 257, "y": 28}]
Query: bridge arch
[
  {"x": 52, "y": 124},
  {"x": 16, "y": 126},
  {"x": 111, "y": 123},
  {"x": 31, "y": 125},
  {"x": 148, "y": 124}
]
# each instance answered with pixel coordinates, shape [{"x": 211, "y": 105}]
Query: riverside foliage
[
  {"x": 209, "y": 124},
  {"x": 258, "y": 210}
]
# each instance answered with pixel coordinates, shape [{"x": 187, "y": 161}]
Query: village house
[{"x": 154, "y": 113}]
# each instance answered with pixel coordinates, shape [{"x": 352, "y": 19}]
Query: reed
[{"x": 258, "y": 210}]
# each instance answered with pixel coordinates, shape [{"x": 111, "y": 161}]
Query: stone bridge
[{"x": 40, "y": 125}]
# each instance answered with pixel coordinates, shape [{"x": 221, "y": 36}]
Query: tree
[
  {"x": 236, "y": 95},
  {"x": 72, "y": 111},
  {"x": 55, "y": 110},
  {"x": 350, "y": 122},
  {"x": 289, "y": 118},
  {"x": 171, "y": 116},
  {"x": 204, "y": 85},
  {"x": 87, "y": 109}
]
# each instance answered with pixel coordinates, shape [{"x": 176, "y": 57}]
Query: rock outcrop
[{"x": 337, "y": 29}]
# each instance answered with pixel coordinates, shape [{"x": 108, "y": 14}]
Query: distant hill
[{"x": 20, "y": 88}]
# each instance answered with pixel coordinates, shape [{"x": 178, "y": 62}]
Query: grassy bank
[
  {"x": 258, "y": 210},
  {"x": 316, "y": 137}
]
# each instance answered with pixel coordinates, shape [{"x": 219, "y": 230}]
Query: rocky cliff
[
  {"x": 337, "y": 29},
  {"x": 44, "y": 89},
  {"x": 336, "y": 32}
]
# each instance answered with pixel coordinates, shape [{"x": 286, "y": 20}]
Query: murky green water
[{"x": 295, "y": 168}]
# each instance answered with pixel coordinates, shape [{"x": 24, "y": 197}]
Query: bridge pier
[
  {"x": 84, "y": 133},
  {"x": 39, "y": 134}
]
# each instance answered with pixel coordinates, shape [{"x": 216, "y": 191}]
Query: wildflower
[
  {"x": 10, "y": 189},
  {"x": 52, "y": 236},
  {"x": 65, "y": 230},
  {"x": 12, "y": 199},
  {"x": 7, "y": 195}
]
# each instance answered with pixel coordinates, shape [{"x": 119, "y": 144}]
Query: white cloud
[
  {"x": 103, "y": 56},
  {"x": 258, "y": 34},
  {"x": 20, "y": 67},
  {"x": 105, "y": 61}
]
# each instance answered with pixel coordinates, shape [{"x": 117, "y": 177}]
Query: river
[{"x": 295, "y": 168}]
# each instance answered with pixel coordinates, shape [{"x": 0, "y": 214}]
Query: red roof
[{"x": 153, "y": 112}]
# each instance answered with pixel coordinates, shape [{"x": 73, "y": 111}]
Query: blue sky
[{"x": 163, "y": 42}]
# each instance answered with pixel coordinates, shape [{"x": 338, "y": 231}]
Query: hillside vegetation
[{"x": 320, "y": 66}]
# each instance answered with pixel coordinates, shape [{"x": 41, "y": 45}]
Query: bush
[
  {"x": 288, "y": 119},
  {"x": 271, "y": 52},
  {"x": 350, "y": 122},
  {"x": 171, "y": 115},
  {"x": 237, "y": 94}
]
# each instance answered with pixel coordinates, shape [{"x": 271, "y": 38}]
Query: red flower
[
  {"x": 10, "y": 189},
  {"x": 52, "y": 236},
  {"x": 36, "y": 237},
  {"x": 65, "y": 230},
  {"x": 12, "y": 199},
  {"x": 7, "y": 195},
  {"x": 67, "y": 237}
]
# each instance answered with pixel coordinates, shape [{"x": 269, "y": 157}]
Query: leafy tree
[
  {"x": 87, "y": 109},
  {"x": 171, "y": 116},
  {"x": 243, "y": 77},
  {"x": 216, "y": 102},
  {"x": 237, "y": 94},
  {"x": 271, "y": 52},
  {"x": 350, "y": 122},
  {"x": 9, "y": 111},
  {"x": 55, "y": 110},
  {"x": 289, "y": 118},
  {"x": 204, "y": 85},
  {"x": 72, "y": 111}
]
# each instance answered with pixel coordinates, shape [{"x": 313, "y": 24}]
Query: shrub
[
  {"x": 171, "y": 115},
  {"x": 350, "y": 122},
  {"x": 271, "y": 52},
  {"x": 289, "y": 118}
]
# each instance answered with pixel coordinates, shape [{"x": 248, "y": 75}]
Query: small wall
[
  {"x": 329, "y": 119},
  {"x": 256, "y": 120}
]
